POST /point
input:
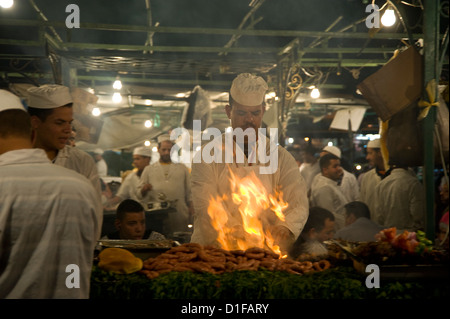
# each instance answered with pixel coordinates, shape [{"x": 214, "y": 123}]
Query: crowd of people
[{"x": 51, "y": 205}]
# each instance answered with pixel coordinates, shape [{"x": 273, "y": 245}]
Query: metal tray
[{"x": 143, "y": 249}]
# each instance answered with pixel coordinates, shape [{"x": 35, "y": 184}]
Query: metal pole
[{"x": 431, "y": 54}]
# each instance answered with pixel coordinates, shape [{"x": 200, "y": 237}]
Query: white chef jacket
[
  {"x": 176, "y": 186},
  {"x": 369, "y": 182},
  {"x": 102, "y": 167},
  {"x": 48, "y": 220},
  {"x": 326, "y": 193},
  {"x": 211, "y": 180},
  {"x": 81, "y": 162},
  {"x": 349, "y": 186},
  {"x": 309, "y": 171},
  {"x": 129, "y": 187},
  {"x": 400, "y": 201}
]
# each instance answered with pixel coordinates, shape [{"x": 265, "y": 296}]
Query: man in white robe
[
  {"x": 48, "y": 217},
  {"x": 212, "y": 173},
  {"x": 325, "y": 191},
  {"x": 129, "y": 187},
  {"x": 400, "y": 201},
  {"x": 50, "y": 107},
  {"x": 168, "y": 181},
  {"x": 372, "y": 178}
]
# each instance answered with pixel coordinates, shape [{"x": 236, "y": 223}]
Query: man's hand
[
  {"x": 283, "y": 237},
  {"x": 146, "y": 188},
  {"x": 238, "y": 232}
]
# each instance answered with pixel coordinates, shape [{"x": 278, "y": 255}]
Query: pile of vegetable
[
  {"x": 412, "y": 242},
  {"x": 406, "y": 248}
]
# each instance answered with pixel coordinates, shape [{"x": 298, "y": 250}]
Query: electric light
[
  {"x": 117, "y": 84},
  {"x": 117, "y": 97},
  {"x": 96, "y": 111},
  {"x": 315, "y": 93},
  {"x": 6, "y": 4},
  {"x": 388, "y": 18}
]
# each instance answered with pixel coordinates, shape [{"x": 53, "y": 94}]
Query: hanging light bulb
[
  {"x": 315, "y": 93},
  {"x": 388, "y": 19},
  {"x": 147, "y": 143},
  {"x": 6, "y": 4},
  {"x": 148, "y": 123},
  {"x": 96, "y": 111},
  {"x": 117, "y": 97},
  {"x": 117, "y": 85}
]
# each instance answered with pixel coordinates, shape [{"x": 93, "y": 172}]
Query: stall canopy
[{"x": 162, "y": 50}]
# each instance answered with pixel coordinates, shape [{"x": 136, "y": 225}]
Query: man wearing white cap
[
  {"x": 48, "y": 216},
  {"x": 325, "y": 191},
  {"x": 371, "y": 178},
  {"x": 50, "y": 107},
  {"x": 211, "y": 180},
  {"x": 172, "y": 181},
  {"x": 102, "y": 167},
  {"x": 348, "y": 183},
  {"x": 129, "y": 187}
]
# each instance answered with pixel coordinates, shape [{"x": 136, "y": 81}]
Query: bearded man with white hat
[
  {"x": 36, "y": 199},
  {"x": 211, "y": 179},
  {"x": 165, "y": 180},
  {"x": 129, "y": 187},
  {"x": 371, "y": 178},
  {"x": 50, "y": 107}
]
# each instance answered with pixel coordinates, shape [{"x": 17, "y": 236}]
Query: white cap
[
  {"x": 49, "y": 96},
  {"x": 164, "y": 137},
  {"x": 333, "y": 150},
  {"x": 248, "y": 89},
  {"x": 98, "y": 151},
  {"x": 9, "y": 101},
  {"x": 374, "y": 143},
  {"x": 143, "y": 151}
]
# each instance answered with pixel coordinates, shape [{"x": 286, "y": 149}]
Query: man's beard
[{"x": 165, "y": 159}]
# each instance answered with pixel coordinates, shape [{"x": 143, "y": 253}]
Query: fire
[{"x": 256, "y": 211}]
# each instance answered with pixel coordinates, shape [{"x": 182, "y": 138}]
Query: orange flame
[{"x": 257, "y": 209}]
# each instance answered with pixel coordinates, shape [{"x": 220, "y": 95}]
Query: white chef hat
[
  {"x": 333, "y": 150},
  {"x": 143, "y": 151},
  {"x": 374, "y": 143},
  {"x": 49, "y": 96},
  {"x": 98, "y": 151},
  {"x": 248, "y": 89},
  {"x": 164, "y": 137},
  {"x": 9, "y": 101}
]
